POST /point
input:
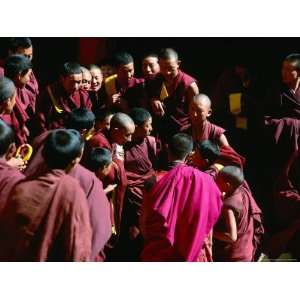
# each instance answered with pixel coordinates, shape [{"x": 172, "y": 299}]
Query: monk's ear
[
  {"x": 179, "y": 62},
  {"x": 11, "y": 151},
  {"x": 209, "y": 112}
]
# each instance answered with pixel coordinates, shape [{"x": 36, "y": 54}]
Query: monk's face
[
  {"x": 27, "y": 52},
  {"x": 198, "y": 161},
  {"x": 97, "y": 79},
  {"x": 86, "y": 81},
  {"x": 289, "y": 73},
  {"x": 223, "y": 185},
  {"x": 107, "y": 70},
  {"x": 169, "y": 68},
  {"x": 198, "y": 112},
  {"x": 71, "y": 83},
  {"x": 125, "y": 73},
  {"x": 150, "y": 67},
  {"x": 105, "y": 124},
  {"x": 144, "y": 130},
  {"x": 23, "y": 79},
  {"x": 123, "y": 135},
  {"x": 104, "y": 172},
  {"x": 8, "y": 105}
]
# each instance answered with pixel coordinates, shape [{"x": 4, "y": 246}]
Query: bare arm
[
  {"x": 192, "y": 91},
  {"x": 223, "y": 140},
  {"x": 230, "y": 235}
]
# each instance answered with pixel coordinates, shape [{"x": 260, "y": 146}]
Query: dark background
[{"x": 204, "y": 58}]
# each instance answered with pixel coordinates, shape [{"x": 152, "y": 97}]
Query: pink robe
[
  {"x": 98, "y": 204},
  {"x": 48, "y": 117},
  {"x": 46, "y": 219},
  {"x": 178, "y": 213}
]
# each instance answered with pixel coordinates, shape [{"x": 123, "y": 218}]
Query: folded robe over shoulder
[
  {"x": 9, "y": 177},
  {"x": 97, "y": 201},
  {"x": 179, "y": 211},
  {"x": 46, "y": 219}
]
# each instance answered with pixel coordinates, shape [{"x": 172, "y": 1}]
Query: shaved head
[
  {"x": 121, "y": 120},
  {"x": 168, "y": 54},
  {"x": 232, "y": 175},
  {"x": 7, "y": 89},
  {"x": 202, "y": 99}
]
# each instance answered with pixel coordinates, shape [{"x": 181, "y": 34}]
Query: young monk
[
  {"x": 47, "y": 219},
  {"x": 180, "y": 209},
  {"x": 23, "y": 46},
  {"x": 199, "y": 112},
  {"x": 107, "y": 67},
  {"x": 60, "y": 98},
  {"x": 18, "y": 69},
  {"x": 239, "y": 231},
  {"x": 82, "y": 120},
  {"x": 211, "y": 158},
  {"x": 171, "y": 92},
  {"x": 122, "y": 87},
  {"x": 86, "y": 79},
  {"x": 150, "y": 66},
  {"x": 95, "y": 91},
  {"x": 140, "y": 159},
  {"x": 9, "y": 174}
]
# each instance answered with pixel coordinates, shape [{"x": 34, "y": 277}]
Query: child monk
[
  {"x": 239, "y": 231},
  {"x": 199, "y": 112}
]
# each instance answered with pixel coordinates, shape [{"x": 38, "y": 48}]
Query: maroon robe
[
  {"x": 209, "y": 131},
  {"x": 178, "y": 214},
  {"x": 17, "y": 120},
  {"x": 139, "y": 166},
  {"x": 46, "y": 219},
  {"x": 33, "y": 85},
  {"x": 99, "y": 140},
  {"x": 48, "y": 117},
  {"x": 249, "y": 228},
  {"x": 176, "y": 106},
  {"x": 99, "y": 208},
  {"x": 9, "y": 177}
]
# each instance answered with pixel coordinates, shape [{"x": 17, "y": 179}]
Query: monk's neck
[{"x": 200, "y": 126}]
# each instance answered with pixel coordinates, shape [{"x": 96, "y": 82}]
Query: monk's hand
[
  {"x": 133, "y": 232},
  {"x": 190, "y": 158},
  {"x": 110, "y": 188},
  {"x": 17, "y": 162},
  {"x": 158, "y": 108},
  {"x": 116, "y": 98}
]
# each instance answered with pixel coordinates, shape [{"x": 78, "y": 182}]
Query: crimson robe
[
  {"x": 48, "y": 117},
  {"x": 99, "y": 140},
  {"x": 176, "y": 106},
  {"x": 178, "y": 213},
  {"x": 98, "y": 204},
  {"x": 46, "y": 219},
  {"x": 9, "y": 177},
  {"x": 139, "y": 160},
  {"x": 209, "y": 131},
  {"x": 249, "y": 228},
  {"x": 17, "y": 120},
  {"x": 33, "y": 85}
]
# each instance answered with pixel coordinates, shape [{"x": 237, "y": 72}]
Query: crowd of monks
[{"x": 103, "y": 166}]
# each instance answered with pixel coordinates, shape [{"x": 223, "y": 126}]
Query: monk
[
  {"x": 239, "y": 230},
  {"x": 86, "y": 79},
  {"x": 92, "y": 186},
  {"x": 18, "y": 69},
  {"x": 171, "y": 92},
  {"x": 199, "y": 111},
  {"x": 284, "y": 99},
  {"x": 60, "y": 98},
  {"x": 23, "y": 46},
  {"x": 47, "y": 218},
  {"x": 139, "y": 163},
  {"x": 150, "y": 66},
  {"x": 9, "y": 174},
  {"x": 122, "y": 89},
  {"x": 286, "y": 211},
  {"x": 210, "y": 158},
  {"x": 95, "y": 91},
  {"x": 180, "y": 209}
]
